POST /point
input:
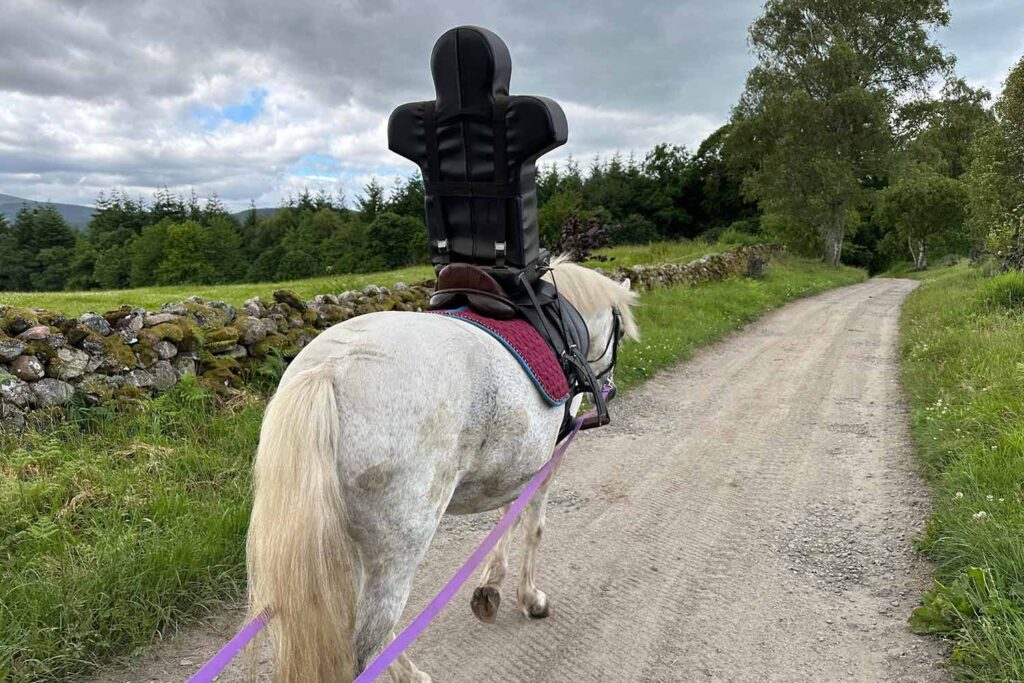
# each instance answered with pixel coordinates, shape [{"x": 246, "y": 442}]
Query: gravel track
[{"x": 748, "y": 516}]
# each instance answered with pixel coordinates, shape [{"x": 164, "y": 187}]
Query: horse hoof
[
  {"x": 538, "y": 609},
  {"x": 485, "y": 602}
]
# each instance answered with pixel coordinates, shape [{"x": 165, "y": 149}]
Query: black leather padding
[{"x": 480, "y": 179}]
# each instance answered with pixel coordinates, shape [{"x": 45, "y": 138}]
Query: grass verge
[
  {"x": 114, "y": 528},
  {"x": 963, "y": 370}
]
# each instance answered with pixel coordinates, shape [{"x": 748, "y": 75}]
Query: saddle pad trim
[{"x": 555, "y": 392}]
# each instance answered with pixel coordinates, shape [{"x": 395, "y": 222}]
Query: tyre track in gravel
[{"x": 748, "y": 516}]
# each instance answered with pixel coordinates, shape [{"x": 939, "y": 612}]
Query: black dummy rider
[{"x": 476, "y": 147}]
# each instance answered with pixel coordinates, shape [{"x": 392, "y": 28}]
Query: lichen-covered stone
[
  {"x": 165, "y": 350},
  {"x": 50, "y": 392},
  {"x": 186, "y": 364},
  {"x": 276, "y": 323},
  {"x": 225, "y": 312},
  {"x": 140, "y": 379},
  {"x": 256, "y": 307},
  {"x": 27, "y": 368},
  {"x": 127, "y": 335},
  {"x": 289, "y": 297},
  {"x": 16, "y": 391},
  {"x": 250, "y": 330},
  {"x": 134, "y": 321},
  {"x": 68, "y": 364},
  {"x": 95, "y": 322},
  {"x": 35, "y": 333},
  {"x": 175, "y": 309},
  {"x": 99, "y": 388},
  {"x": 164, "y": 376},
  {"x": 10, "y": 348},
  {"x": 12, "y": 418},
  {"x": 328, "y": 314},
  {"x": 198, "y": 311},
  {"x": 155, "y": 319}
]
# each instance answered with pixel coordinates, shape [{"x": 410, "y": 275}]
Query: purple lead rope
[{"x": 219, "y": 661}]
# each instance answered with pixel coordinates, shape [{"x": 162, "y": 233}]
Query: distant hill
[
  {"x": 77, "y": 216},
  {"x": 260, "y": 213}
]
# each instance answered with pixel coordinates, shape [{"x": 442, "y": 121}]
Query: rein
[{"x": 216, "y": 665}]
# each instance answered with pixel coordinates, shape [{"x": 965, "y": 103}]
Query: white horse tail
[{"x": 299, "y": 550}]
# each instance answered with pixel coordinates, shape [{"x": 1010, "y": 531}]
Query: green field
[
  {"x": 115, "y": 528},
  {"x": 151, "y": 298},
  {"x": 963, "y": 355}
]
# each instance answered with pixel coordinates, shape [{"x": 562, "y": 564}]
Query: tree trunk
[
  {"x": 834, "y": 231},
  {"x": 920, "y": 253}
]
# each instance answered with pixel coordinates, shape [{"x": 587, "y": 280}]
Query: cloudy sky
[{"x": 256, "y": 100}]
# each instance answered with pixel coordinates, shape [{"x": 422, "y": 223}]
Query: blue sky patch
[{"x": 210, "y": 117}]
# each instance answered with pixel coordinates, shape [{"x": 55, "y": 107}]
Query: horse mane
[{"x": 591, "y": 292}]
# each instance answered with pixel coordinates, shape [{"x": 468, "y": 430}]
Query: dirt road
[{"x": 748, "y": 517}]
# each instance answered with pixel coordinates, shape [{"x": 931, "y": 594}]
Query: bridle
[{"x": 611, "y": 345}]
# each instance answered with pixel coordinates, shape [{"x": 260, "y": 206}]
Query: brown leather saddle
[{"x": 461, "y": 284}]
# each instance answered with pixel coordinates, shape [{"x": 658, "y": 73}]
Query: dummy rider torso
[{"x": 476, "y": 147}]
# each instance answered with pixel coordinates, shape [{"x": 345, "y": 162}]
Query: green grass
[
  {"x": 110, "y": 534},
  {"x": 115, "y": 528},
  {"x": 963, "y": 369},
  {"x": 151, "y": 298}
]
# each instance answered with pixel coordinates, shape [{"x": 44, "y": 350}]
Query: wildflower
[
  {"x": 959, "y": 494},
  {"x": 989, "y": 497},
  {"x": 1002, "y": 500},
  {"x": 980, "y": 514}
]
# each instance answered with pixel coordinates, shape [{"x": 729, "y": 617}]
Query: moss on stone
[
  {"x": 146, "y": 354},
  {"x": 217, "y": 339},
  {"x": 273, "y": 342},
  {"x": 118, "y": 353},
  {"x": 40, "y": 350},
  {"x": 290, "y": 298},
  {"x": 219, "y": 370},
  {"x": 117, "y": 314},
  {"x": 15, "y": 320}
]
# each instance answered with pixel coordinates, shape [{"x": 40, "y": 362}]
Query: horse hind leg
[
  {"x": 386, "y": 590},
  {"x": 532, "y": 601},
  {"x": 487, "y": 596}
]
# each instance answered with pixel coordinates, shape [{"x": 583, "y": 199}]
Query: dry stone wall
[{"x": 48, "y": 359}]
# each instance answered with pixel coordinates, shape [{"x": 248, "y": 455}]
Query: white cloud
[{"x": 97, "y": 95}]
